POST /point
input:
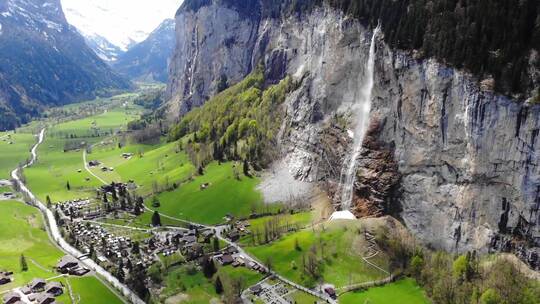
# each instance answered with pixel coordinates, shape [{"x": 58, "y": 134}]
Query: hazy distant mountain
[
  {"x": 123, "y": 23},
  {"x": 149, "y": 59},
  {"x": 103, "y": 47},
  {"x": 45, "y": 61}
]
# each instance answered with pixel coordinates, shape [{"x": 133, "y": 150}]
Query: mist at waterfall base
[{"x": 363, "y": 108}]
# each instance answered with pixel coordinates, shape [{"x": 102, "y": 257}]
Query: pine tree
[
  {"x": 246, "y": 168},
  {"x": 216, "y": 244},
  {"x": 68, "y": 186},
  {"x": 156, "y": 219},
  {"x": 24, "y": 265},
  {"x": 218, "y": 285},
  {"x": 49, "y": 203}
]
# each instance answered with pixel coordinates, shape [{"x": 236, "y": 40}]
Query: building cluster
[
  {"x": 70, "y": 265},
  {"x": 77, "y": 208},
  {"x": 38, "y": 291},
  {"x": 5, "y": 277},
  {"x": 231, "y": 256},
  {"x": 92, "y": 237}
]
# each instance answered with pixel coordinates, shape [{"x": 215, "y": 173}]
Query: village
[{"x": 123, "y": 250}]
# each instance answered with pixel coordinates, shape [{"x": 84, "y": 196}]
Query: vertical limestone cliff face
[
  {"x": 213, "y": 41},
  {"x": 466, "y": 159}
]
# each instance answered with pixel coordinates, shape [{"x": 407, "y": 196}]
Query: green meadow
[
  {"x": 149, "y": 164},
  {"x": 404, "y": 291},
  {"x": 91, "y": 291},
  {"x": 13, "y": 154},
  {"x": 22, "y": 232},
  {"x": 337, "y": 249},
  {"x": 224, "y": 195},
  {"x": 55, "y": 168},
  {"x": 195, "y": 288}
]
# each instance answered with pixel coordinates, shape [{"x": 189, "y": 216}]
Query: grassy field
[
  {"x": 225, "y": 195},
  {"x": 195, "y": 288},
  {"x": 13, "y": 154},
  {"x": 91, "y": 291},
  {"x": 337, "y": 248},
  {"x": 297, "y": 221},
  {"x": 22, "y": 232},
  {"x": 405, "y": 291},
  {"x": 55, "y": 168},
  {"x": 161, "y": 164}
]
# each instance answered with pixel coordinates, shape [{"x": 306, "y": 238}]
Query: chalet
[
  {"x": 256, "y": 290},
  {"x": 66, "y": 264},
  {"x": 4, "y": 279},
  {"x": 45, "y": 298},
  {"x": 54, "y": 289},
  {"x": 93, "y": 163},
  {"x": 11, "y": 298},
  {"x": 331, "y": 292},
  {"x": 226, "y": 259},
  {"x": 127, "y": 155},
  {"x": 234, "y": 235},
  {"x": 204, "y": 186},
  {"x": 37, "y": 285}
]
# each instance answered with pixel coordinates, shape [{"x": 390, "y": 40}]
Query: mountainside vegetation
[
  {"x": 496, "y": 40},
  {"x": 491, "y": 38},
  {"x": 241, "y": 122},
  {"x": 44, "y": 61}
]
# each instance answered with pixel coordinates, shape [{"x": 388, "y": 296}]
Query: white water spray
[{"x": 348, "y": 174}]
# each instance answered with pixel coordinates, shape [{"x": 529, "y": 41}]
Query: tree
[
  {"x": 208, "y": 266},
  {"x": 156, "y": 219},
  {"x": 49, "y": 203},
  {"x": 155, "y": 202},
  {"x": 218, "y": 285},
  {"x": 215, "y": 243},
  {"x": 68, "y": 186},
  {"x": 246, "y": 168},
  {"x": 297, "y": 245},
  {"x": 201, "y": 170},
  {"x": 490, "y": 296},
  {"x": 24, "y": 265}
]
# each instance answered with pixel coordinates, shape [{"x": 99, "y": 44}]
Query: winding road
[{"x": 56, "y": 236}]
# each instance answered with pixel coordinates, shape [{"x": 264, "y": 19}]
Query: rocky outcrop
[{"x": 464, "y": 159}]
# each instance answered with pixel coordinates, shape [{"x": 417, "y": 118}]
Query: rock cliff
[{"x": 456, "y": 162}]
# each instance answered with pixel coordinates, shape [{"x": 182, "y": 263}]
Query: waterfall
[{"x": 348, "y": 174}]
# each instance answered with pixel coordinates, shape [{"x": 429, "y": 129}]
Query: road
[{"x": 56, "y": 236}]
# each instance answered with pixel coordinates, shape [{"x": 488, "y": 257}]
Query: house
[
  {"x": 54, "y": 289},
  {"x": 66, "y": 264},
  {"x": 331, "y": 292},
  {"x": 37, "y": 285},
  {"x": 256, "y": 290},
  {"x": 4, "y": 279},
  {"x": 226, "y": 259},
  {"x": 93, "y": 163},
  {"x": 45, "y": 298},
  {"x": 26, "y": 290},
  {"x": 11, "y": 298}
]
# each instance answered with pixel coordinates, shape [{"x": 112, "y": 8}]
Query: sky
[{"x": 121, "y": 22}]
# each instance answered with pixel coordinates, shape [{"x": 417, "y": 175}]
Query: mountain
[
  {"x": 452, "y": 139},
  {"x": 44, "y": 61},
  {"x": 113, "y": 21},
  {"x": 149, "y": 59},
  {"x": 105, "y": 50}
]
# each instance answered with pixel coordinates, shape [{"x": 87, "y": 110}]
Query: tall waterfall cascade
[{"x": 363, "y": 109}]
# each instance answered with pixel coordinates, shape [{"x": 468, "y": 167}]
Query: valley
[{"x": 269, "y": 152}]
